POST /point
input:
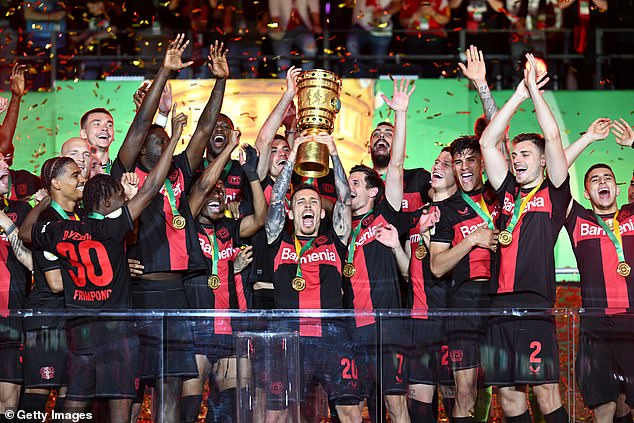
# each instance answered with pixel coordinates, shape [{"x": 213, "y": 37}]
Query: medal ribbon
[
  {"x": 213, "y": 241},
  {"x": 480, "y": 208},
  {"x": 614, "y": 235},
  {"x": 96, "y": 216},
  {"x": 225, "y": 171},
  {"x": 62, "y": 212},
  {"x": 108, "y": 168},
  {"x": 520, "y": 205},
  {"x": 6, "y": 204},
  {"x": 171, "y": 197},
  {"x": 300, "y": 251},
  {"x": 353, "y": 238}
]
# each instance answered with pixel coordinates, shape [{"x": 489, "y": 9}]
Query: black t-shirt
[
  {"x": 416, "y": 186},
  {"x": 321, "y": 267},
  {"x": 92, "y": 256},
  {"x": 528, "y": 263},
  {"x": 160, "y": 247}
]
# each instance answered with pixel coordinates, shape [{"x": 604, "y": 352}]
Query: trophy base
[{"x": 313, "y": 160}]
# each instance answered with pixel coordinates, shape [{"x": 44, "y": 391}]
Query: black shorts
[
  {"x": 11, "y": 350},
  {"x": 45, "y": 358},
  {"x": 166, "y": 343},
  {"x": 327, "y": 360},
  {"x": 107, "y": 369},
  {"x": 391, "y": 345},
  {"x": 428, "y": 355},
  {"x": 207, "y": 343},
  {"x": 466, "y": 329},
  {"x": 521, "y": 351},
  {"x": 604, "y": 367}
]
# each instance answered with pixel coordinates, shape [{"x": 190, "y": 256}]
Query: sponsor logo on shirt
[
  {"x": 208, "y": 249},
  {"x": 327, "y": 255}
]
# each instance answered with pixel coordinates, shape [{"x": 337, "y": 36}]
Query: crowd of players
[{"x": 147, "y": 230}]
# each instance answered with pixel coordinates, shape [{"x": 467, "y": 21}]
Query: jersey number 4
[{"x": 90, "y": 260}]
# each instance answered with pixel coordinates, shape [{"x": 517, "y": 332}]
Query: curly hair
[{"x": 98, "y": 188}]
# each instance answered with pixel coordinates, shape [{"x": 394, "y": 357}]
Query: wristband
[
  {"x": 250, "y": 173},
  {"x": 161, "y": 120}
]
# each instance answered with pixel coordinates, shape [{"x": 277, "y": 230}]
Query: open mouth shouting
[
  {"x": 214, "y": 205},
  {"x": 604, "y": 193},
  {"x": 308, "y": 219}
]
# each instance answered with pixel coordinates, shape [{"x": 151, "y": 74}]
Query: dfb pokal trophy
[{"x": 317, "y": 105}]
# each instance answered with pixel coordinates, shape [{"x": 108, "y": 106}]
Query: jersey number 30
[{"x": 90, "y": 260}]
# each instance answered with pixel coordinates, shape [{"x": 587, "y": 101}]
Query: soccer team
[{"x": 147, "y": 230}]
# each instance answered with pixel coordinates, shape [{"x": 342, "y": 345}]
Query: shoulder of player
[{"x": 626, "y": 212}]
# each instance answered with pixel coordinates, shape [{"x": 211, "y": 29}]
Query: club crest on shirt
[
  {"x": 368, "y": 220},
  {"x": 47, "y": 372},
  {"x": 321, "y": 240},
  {"x": 22, "y": 189},
  {"x": 223, "y": 234}
]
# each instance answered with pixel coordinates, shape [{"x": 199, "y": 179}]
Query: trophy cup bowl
[{"x": 317, "y": 106}]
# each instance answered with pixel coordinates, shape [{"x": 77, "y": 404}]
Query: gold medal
[
  {"x": 349, "y": 270},
  {"x": 505, "y": 238},
  {"x": 178, "y": 222},
  {"x": 213, "y": 281},
  {"x": 299, "y": 284},
  {"x": 623, "y": 269},
  {"x": 420, "y": 252}
]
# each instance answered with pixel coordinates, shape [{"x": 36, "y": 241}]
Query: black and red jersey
[
  {"x": 457, "y": 220},
  {"x": 92, "y": 256},
  {"x": 375, "y": 284},
  {"x": 236, "y": 183},
  {"x": 41, "y": 297},
  {"x": 23, "y": 184},
  {"x": 321, "y": 267},
  {"x": 267, "y": 186},
  {"x": 325, "y": 185},
  {"x": 14, "y": 277},
  {"x": 528, "y": 263},
  {"x": 160, "y": 246},
  {"x": 427, "y": 292},
  {"x": 231, "y": 294},
  {"x": 601, "y": 286},
  {"x": 416, "y": 186}
]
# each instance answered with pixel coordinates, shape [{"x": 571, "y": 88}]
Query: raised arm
[
  {"x": 156, "y": 178},
  {"x": 252, "y": 223},
  {"x": 554, "y": 151},
  {"x": 394, "y": 174},
  {"x": 276, "y": 215},
  {"x": 207, "y": 180},
  {"x": 7, "y": 131},
  {"x": 272, "y": 124},
  {"x": 25, "y": 230},
  {"x": 342, "y": 211},
  {"x": 207, "y": 122},
  {"x": 22, "y": 253},
  {"x": 623, "y": 133},
  {"x": 135, "y": 138},
  {"x": 598, "y": 130}
]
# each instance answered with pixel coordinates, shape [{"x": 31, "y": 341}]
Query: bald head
[{"x": 79, "y": 150}]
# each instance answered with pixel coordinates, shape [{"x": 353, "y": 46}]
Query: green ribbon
[
  {"x": 95, "y": 215},
  {"x": 478, "y": 209},
  {"x": 353, "y": 238},
  {"x": 63, "y": 213},
  {"x": 108, "y": 167},
  {"x": 171, "y": 197},
  {"x": 612, "y": 236},
  {"x": 300, "y": 252},
  {"x": 214, "y": 243},
  {"x": 225, "y": 171},
  {"x": 520, "y": 205}
]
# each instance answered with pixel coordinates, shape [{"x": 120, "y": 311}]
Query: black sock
[
  {"x": 522, "y": 418},
  {"x": 448, "y": 404},
  {"x": 464, "y": 420},
  {"x": 560, "y": 415},
  {"x": 33, "y": 402},
  {"x": 59, "y": 403},
  {"x": 421, "y": 412},
  {"x": 190, "y": 408},
  {"x": 623, "y": 419}
]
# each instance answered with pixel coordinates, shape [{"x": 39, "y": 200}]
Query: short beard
[{"x": 380, "y": 161}]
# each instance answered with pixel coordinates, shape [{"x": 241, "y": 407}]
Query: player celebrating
[{"x": 532, "y": 214}]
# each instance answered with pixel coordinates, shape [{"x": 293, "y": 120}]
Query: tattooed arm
[
  {"x": 22, "y": 253},
  {"x": 342, "y": 212}
]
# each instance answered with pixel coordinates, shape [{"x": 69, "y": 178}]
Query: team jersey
[
  {"x": 601, "y": 286},
  {"x": 321, "y": 267},
  {"x": 92, "y": 255},
  {"x": 231, "y": 294},
  {"x": 160, "y": 246},
  {"x": 22, "y": 184},
  {"x": 267, "y": 187},
  {"x": 528, "y": 263},
  {"x": 457, "y": 220},
  {"x": 14, "y": 277},
  {"x": 416, "y": 186},
  {"x": 427, "y": 292},
  {"x": 325, "y": 185},
  {"x": 375, "y": 283},
  {"x": 41, "y": 296},
  {"x": 236, "y": 183}
]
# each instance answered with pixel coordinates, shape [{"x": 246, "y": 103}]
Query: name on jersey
[
  {"x": 537, "y": 203},
  {"x": 76, "y": 236},
  {"x": 208, "y": 250},
  {"x": 326, "y": 255},
  {"x": 592, "y": 230},
  {"x": 91, "y": 296}
]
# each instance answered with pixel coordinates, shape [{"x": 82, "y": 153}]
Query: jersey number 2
[{"x": 82, "y": 256}]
